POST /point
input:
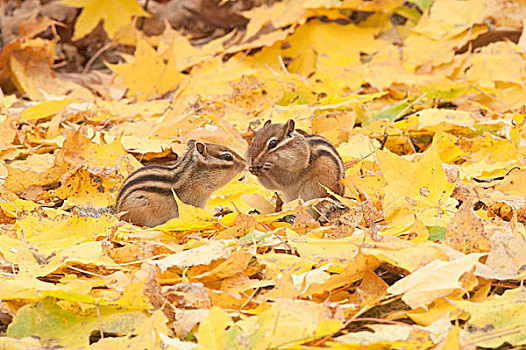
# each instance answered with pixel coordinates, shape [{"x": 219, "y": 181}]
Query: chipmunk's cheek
[{"x": 267, "y": 166}]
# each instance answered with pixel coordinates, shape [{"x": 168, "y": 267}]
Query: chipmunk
[
  {"x": 146, "y": 198},
  {"x": 294, "y": 164}
]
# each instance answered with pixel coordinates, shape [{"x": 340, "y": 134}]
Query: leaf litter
[{"x": 423, "y": 100}]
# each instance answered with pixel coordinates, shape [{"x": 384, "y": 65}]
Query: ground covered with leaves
[{"x": 423, "y": 99}]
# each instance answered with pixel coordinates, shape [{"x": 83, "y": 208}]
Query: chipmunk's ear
[
  {"x": 290, "y": 126},
  {"x": 268, "y": 122},
  {"x": 200, "y": 147}
]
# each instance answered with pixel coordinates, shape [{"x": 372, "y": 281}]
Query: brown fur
[
  {"x": 146, "y": 198},
  {"x": 148, "y": 209},
  {"x": 298, "y": 166}
]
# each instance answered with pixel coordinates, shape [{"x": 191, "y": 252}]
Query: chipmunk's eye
[
  {"x": 227, "y": 156},
  {"x": 273, "y": 143}
]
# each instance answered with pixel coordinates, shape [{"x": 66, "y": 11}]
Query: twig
[
  {"x": 465, "y": 38},
  {"x": 252, "y": 295},
  {"x": 96, "y": 55},
  {"x": 100, "y": 322},
  {"x": 319, "y": 342},
  {"x": 494, "y": 99},
  {"x": 282, "y": 64},
  {"x": 356, "y": 161},
  {"x": 278, "y": 237},
  {"x": 384, "y": 140},
  {"x": 401, "y": 113},
  {"x": 138, "y": 261},
  {"x": 381, "y": 320},
  {"x": 496, "y": 334},
  {"x": 86, "y": 272}
]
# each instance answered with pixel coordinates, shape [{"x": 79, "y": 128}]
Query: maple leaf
[
  {"x": 422, "y": 99},
  {"x": 114, "y": 13},
  {"x": 149, "y": 73}
]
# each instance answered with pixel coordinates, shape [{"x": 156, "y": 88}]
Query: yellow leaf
[
  {"x": 500, "y": 319},
  {"x": 418, "y": 289},
  {"x": 82, "y": 188},
  {"x": 27, "y": 65},
  {"x": 236, "y": 263},
  {"x": 497, "y": 62},
  {"x": 324, "y": 46},
  {"x": 28, "y": 343},
  {"x": 46, "y": 109},
  {"x": 438, "y": 309},
  {"x": 382, "y": 336},
  {"x": 444, "y": 144},
  {"x": 114, "y": 13},
  {"x": 279, "y": 14},
  {"x": 51, "y": 230},
  {"x": 385, "y": 69},
  {"x": 354, "y": 271},
  {"x": 288, "y": 322},
  {"x": 123, "y": 110},
  {"x": 434, "y": 117},
  {"x": 277, "y": 264},
  {"x": 504, "y": 98},
  {"x": 465, "y": 232},
  {"x": 506, "y": 257},
  {"x": 490, "y": 156},
  {"x": 407, "y": 224},
  {"x": 448, "y": 24},
  {"x": 149, "y": 73},
  {"x": 211, "y": 70},
  {"x": 7, "y": 131},
  {"x": 212, "y": 329},
  {"x": 78, "y": 150},
  {"x": 190, "y": 218},
  {"x": 357, "y": 147},
  {"x": 26, "y": 288},
  {"x": 409, "y": 256},
  {"x": 132, "y": 297},
  {"x": 421, "y": 185},
  {"x": 236, "y": 193},
  {"x": 259, "y": 202},
  {"x": 337, "y": 253},
  {"x": 35, "y": 170},
  {"x": 186, "y": 54},
  {"x": 202, "y": 255}
]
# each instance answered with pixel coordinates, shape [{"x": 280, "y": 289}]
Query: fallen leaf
[
  {"x": 497, "y": 320},
  {"x": 435, "y": 280},
  {"x": 115, "y": 15},
  {"x": 202, "y": 255},
  {"x": 465, "y": 232}
]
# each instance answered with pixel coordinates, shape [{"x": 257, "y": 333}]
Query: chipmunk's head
[
  {"x": 277, "y": 146},
  {"x": 216, "y": 163}
]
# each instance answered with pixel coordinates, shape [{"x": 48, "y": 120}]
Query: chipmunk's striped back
[
  {"x": 146, "y": 198},
  {"x": 160, "y": 179},
  {"x": 321, "y": 147}
]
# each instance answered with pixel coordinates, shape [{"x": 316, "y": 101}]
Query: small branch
[
  {"x": 96, "y": 55},
  {"x": 100, "y": 322},
  {"x": 86, "y": 272},
  {"x": 494, "y": 99},
  {"x": 278, "y": 237}
]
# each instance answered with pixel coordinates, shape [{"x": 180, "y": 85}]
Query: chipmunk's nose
[{"x": 254, "y": 169}]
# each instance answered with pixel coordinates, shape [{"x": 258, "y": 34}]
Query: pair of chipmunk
[{"x": 297, "y": 165}]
